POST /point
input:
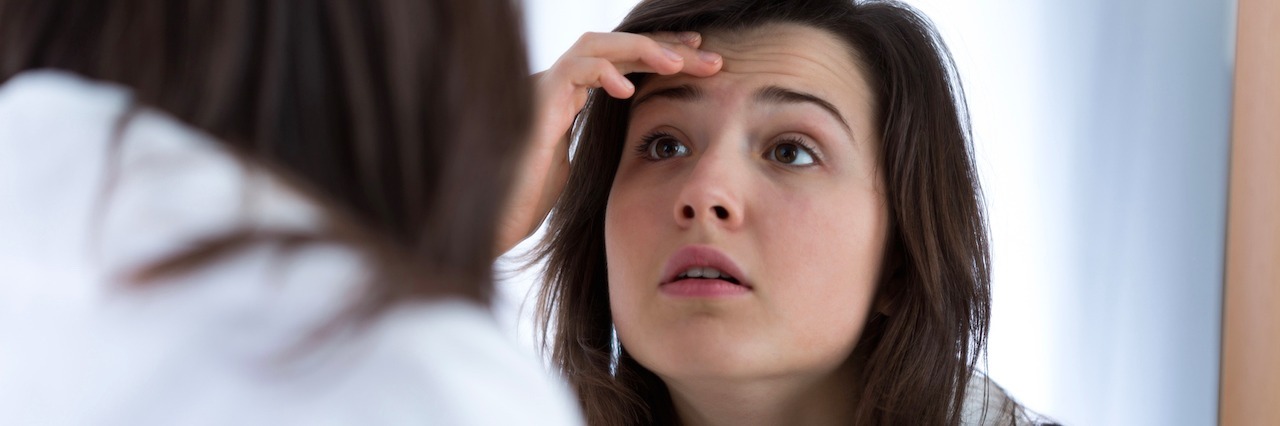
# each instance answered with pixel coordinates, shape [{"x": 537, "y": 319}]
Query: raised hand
[{"x": 597, "y": 60}]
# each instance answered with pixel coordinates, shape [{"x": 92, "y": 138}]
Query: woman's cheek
[
  {"x": 632, "y": 231},
  {"x": 829, "y": 255}
]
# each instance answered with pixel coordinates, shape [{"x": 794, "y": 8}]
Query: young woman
[
  {"x": 789, "y": 232},
  {"x": 259, "y": 212}
]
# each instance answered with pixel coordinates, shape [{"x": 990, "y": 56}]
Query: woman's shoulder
[{"x": 988, "y": 404}]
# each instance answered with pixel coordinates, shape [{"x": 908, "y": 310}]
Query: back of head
[{"x": 401, "y": 117}]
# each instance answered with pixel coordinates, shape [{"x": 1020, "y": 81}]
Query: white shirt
[
  {"x": 225, "y": 344},
  {"x": 987, "y": 404}
]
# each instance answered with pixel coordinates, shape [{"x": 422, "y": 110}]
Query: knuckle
[
  {"x": 600, "y": 66},
  {"x": 586, "y": 38}
]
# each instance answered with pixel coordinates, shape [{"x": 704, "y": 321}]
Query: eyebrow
[
  {"x": 780, "y": 95},
  {"x": 770, "y": 94}
]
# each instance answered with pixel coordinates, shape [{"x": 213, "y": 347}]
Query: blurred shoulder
[
  {"x": 91, "y": 197},
  {"x": 463, "y": 369}
]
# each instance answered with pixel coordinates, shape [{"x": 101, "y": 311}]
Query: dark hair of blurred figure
[{"x": 402, "y": 118}]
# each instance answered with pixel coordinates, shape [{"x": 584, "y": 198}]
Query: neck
[{"x": 829, "y": 399}]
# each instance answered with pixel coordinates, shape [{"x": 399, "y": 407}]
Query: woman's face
[{"x": 765, "y": 172}]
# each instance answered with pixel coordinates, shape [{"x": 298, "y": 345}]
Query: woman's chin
[{"x": 695, "y": 356}]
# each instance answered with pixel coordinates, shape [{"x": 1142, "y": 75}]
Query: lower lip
[{"x": 695, "y": 287}]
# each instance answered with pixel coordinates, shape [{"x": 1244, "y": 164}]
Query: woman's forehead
[
  {"x": 780, "y": 45},
  {"x": 793, "y": 57}
]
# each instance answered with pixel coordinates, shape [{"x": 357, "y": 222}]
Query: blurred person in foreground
[{"x": 260, "y": 212}]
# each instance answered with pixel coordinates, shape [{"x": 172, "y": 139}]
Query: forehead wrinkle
[
  {"x": 747, "y": 47},
  {"x": 778, "y": 55}
]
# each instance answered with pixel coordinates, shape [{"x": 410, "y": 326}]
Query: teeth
[{"x": 709, "y": 273}]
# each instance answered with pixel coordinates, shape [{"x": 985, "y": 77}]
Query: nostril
[
  {"x": 721, "y": 212},
  {"x": 688, "y": 212}
]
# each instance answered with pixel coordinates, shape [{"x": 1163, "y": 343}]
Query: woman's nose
[{"x": 711, "y": 195}]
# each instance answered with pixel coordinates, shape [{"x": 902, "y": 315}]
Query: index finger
[{"x": 643, "y": 53}]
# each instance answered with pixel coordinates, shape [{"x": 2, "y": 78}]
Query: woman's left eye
[{"x": 791, "y": 153}]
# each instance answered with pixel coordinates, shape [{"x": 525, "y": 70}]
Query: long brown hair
[
  {"x": 920, "y": 347},
  {"x": 402, "y": 118}
]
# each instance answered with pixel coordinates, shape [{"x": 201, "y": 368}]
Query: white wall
[
  {"x": 553, "y": 25},
  {"x": 1101, "y": 130},
  {"x": 1102, "y": 135}
]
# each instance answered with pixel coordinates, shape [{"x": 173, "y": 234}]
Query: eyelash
[{"x": 646, "y": 142}]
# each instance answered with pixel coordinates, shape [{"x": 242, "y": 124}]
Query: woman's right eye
[{"x": 661, "y": 147}]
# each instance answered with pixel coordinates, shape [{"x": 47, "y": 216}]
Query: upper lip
[{"x": 703, "y": 257}]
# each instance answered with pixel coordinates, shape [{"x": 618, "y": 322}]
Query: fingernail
[
  {"x": 688, "y": 37},
  {"x": 708, "y": 57},
  {"x": 672, "y": 55},
  {"x": 626, "y": 82}
]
